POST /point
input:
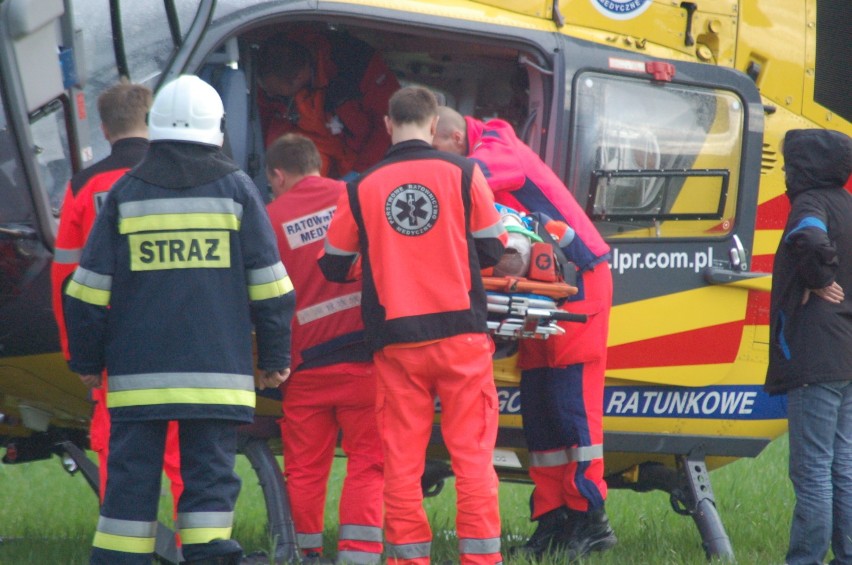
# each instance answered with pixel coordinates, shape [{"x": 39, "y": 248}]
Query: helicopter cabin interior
[{"x": 486, "y": 79}]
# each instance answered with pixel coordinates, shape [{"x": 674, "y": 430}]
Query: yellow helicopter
[{"x": 663, "y": 118}]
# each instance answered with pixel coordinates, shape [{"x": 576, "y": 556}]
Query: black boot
[
  {"x": 548, "y": 534},
  {"x": 586, "y": 532}
]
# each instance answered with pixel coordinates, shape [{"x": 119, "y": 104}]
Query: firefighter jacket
[
  {"x": 812, "y": 342},
  {"x": 521, "y": 180},
  {"x": 343, "y": 110},
  {"x": 83, "y": 199},
  {"x": 180, "y": 262},
  {"x": 424, "y": 224},
  {"x": 327, "y": 326}
]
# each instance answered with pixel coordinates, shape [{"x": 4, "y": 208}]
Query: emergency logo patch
[
  {"x": 411, "y": 209},
  {"x": 621, "y": 9}
]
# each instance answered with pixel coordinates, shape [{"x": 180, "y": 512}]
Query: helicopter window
[
  {"x": 17, "y": 207},
  {"x": 50, "y": 137},
  {"x": 661, "y": 161}
]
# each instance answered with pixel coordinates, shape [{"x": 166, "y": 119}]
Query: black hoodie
[{"x": 812, "y": 342}]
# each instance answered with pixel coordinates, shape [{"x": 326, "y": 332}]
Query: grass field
[{"x": 47, "y": 516}]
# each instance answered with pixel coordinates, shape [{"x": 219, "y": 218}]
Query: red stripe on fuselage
[{"x": 716, "y": 344}]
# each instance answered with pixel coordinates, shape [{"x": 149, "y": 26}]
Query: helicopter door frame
[{"x": 33, "y": 88}]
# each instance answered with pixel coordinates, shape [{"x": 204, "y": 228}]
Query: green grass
[{"x": 48, "y": 517}]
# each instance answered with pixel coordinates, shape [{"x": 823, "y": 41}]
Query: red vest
[{"x": 327, "y": 324}]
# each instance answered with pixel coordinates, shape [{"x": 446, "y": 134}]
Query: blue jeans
[{"x": 820, "y": 421}]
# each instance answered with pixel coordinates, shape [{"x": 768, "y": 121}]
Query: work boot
[
  {"x": 586, "y": 532},
  {"x": 548, "y": 534}
]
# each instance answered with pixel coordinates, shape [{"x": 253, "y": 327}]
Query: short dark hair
[
  {"x": 412, "y": 104},
  {"x": 281, "y": 57},
  {"x": 124, "y": 107},
  {"x": 293, "y": 153}
]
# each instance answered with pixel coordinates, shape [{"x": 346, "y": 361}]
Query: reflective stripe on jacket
[{"x": 164, "y": 298}]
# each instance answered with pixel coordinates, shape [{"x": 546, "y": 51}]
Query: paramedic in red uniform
[
  {"x": 331, "y": 87},
  {"x": 420, "y": 226},
  {"x": 122, "y": 109},
  {"x": 333, "y": 385},
  {"x": 562, "y": 378}
]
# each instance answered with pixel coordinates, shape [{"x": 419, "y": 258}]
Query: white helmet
[{"x": 187, "y": 109}]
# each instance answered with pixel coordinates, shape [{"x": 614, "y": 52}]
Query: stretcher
[{"x": 519, "y": 308}]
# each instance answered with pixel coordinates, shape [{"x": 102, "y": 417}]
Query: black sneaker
[
  {"x": 548, "y": 534},
  {"x": 586, "y": 532}
]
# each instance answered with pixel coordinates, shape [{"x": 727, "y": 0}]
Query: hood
[
  {"x": 816, "y": 158},
  {"x": 177, "y": 164},
  {"x": 496, "y": 128}
]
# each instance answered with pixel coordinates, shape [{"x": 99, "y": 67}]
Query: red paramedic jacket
[
  {"x": 424, "y": 223},
  {"x": 327, "y": 327},
  {"x": 522, "y": 181},
  {"x": 83, "y": 198}
]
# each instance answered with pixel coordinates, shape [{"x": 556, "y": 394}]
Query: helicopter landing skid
[
  {"x": 697, "y": 501},
  {"x": 690, "y": 494}
]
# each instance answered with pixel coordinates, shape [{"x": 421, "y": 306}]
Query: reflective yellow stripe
[
  {"x": 204, "y": 535},
  {"x": 149, "y": 397},
  {"x": 270, "y": 290},
  {"x": 124, "y": 544},
  {"x": 88, "y": 294},
  {"x": 179, "y": 250},
  {"x": 163, "y": 222}
]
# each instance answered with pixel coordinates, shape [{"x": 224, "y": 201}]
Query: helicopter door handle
[
  {"x": 18, "y": 231},
  {"x": 738, "y": 254}
]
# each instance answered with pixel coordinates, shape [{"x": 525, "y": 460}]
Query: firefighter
[
  {"x": 333, "y": 385},
  {"x": 180, "y": 262},
  {"x": 423, "y": 224},
  {"x": 331, "y": 87},
  {"x": 122, "y": 109},
  {"x": 562, "y": 378}
]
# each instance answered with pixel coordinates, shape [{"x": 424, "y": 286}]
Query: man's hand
[
  {"x": 91, "y": 381},
  {"x": 271, "y": 379},
  {"x": 832, "y": 293}
]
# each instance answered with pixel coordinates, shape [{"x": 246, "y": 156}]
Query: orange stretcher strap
[{"x": 520, "y": 284}]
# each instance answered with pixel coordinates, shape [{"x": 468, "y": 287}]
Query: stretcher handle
[{"x": 564, "y": 316}]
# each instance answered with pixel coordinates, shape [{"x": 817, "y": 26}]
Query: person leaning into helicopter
[
  {"x": 562, "y": 378},
  {"x": 333, "y": 385},
  {"x": 810, "y": 359},
  {"x": 180, "y": 265},
  {"x": 330, "y": 87},
  {"x": 420, "y": 225},
  {"x": 122, "y": 108}
]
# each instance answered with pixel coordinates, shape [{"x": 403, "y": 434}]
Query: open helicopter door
[
  {"x": 665, "y": 157},
  {"x": 43, "y": 137},
  {"x": 56, "y": 56}
]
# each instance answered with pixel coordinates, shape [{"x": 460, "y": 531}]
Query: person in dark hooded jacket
[{"x": 811, "y": 334}]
